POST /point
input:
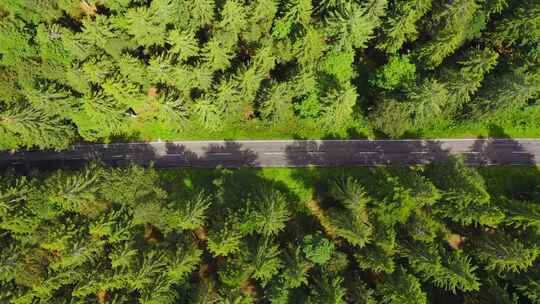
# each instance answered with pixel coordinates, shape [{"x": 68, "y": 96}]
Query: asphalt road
[{"x": 284, "y": 153}]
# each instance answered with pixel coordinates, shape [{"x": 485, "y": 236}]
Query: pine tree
[
  {"x": 51, "y": 47},
  {"x": 77, "y": 192},
  {"x": 160, "y": 69},
  {"x": 520, "y": 27},
  {"x": 423, "y": 227},
  {"x": 224, "y": 241},
  {"x": 427, "y": 102},
  {"x": 261, "y": 15},
  {"x": 264, "y": 260},
  {"x": 399, "y": 72},
  {"x": 98, "y": 31},
  {"x": 328, "y": 289},
  {"x": 271, "y": 212},
  {"x": 502, "y": 253},
  {"x": 259, "y": 259},
  {"x": 202, "y": 13},
  {"x": 27, "y": 127},
  {"x": 217, "y": 54},
  {"x": 529, "y": 286},
  {"x": 183, "y": 262},
  {"x": 521, "y": 214},
  {"x": 464, "y": 194},
  {"x": 45, "y": 11},
  {"x": 13, "y": 192},
  {"x": 51, "y": 99},
  {"x": 124, "y": 92},
  {"x": 464, "y": 84},
  {"x": 351, "y": 26},
  {"x": 186, "y": 215},
  {"x": 404, "y": 191},
  {"x": 338, "y": 108},
  {"x": 392, "y": 117},
  {"x": 310, "y": 48},
  {"x": 99, "y": 116},
  {"x": 233, "y": 19},
  {"x": 493, "y": 292},
  {"x": 133, "y": 69},
  {"x": 183, "y": 43},
  {"x": 352, "y": 222},
  {"x": 143, "y": 25},
  {"x": 509, "y": 90},
  {"x": 454, "y": 22},
  {"x": 295, "y": 268},
  {"x": 278, "y": 107},
  {"x": 207, "y": 113},
  {"x": 451, "y": 271},
  {"x": 376, "y": 258},
  {"x": 401, "y": 287},
  {"x": 400, "y": 27}
]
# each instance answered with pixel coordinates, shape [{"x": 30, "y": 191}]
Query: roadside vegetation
[
  {"x": 97, "y": 70},
  {"x": 434, "y": 234}
]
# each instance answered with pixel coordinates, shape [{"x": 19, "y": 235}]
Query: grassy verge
[
  {"x": 153, "y": 130},
  {"x": 525, "y": 123},
  {"x": 511, "y": 181},
  {"x": 304, "y": 183}
]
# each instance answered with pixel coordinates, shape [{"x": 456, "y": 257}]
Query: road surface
[{"x": 284, "y": 153}]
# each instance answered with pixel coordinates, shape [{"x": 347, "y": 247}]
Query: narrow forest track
[{"x": 284, "y": 153}]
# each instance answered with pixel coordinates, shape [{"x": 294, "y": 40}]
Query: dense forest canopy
[
  {"x": 436, "y": 234},
  {"x": 107, "y": 69}
]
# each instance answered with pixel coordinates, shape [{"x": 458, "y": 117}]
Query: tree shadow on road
[
  {"x": 498, "y": 148},
  {"x": 521, "y": 178},
  {"x": 226, "y": 153}
]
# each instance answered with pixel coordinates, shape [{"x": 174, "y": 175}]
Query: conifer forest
[
  {"x": 436, "y": 234},
  {"x": 102, "y": 71}
]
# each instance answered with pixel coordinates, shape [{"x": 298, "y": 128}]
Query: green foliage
[
  {"x": 184, "y": 262},
  {"x": 179, "y": 69},
  {"x": 317, "y": 248},
  {"x": 270, "y": 212},
  {"x": 136, "y": 234},
  {"x": 225, "y": 241},
  {"x": 452, "y": 24},
  {"x": 520, "y": 27},
  {"x": 401, "y": 287},
  {"x": 352, "y": 220},
  {"x": 452, "y": 272},
  {"x": 77, "y": 193},
  {"x": 328, "y": 290},
  {"x": 503, "y": 254},
  {"x": 464, "y": 84},
  {"x": 188, "y": 215},
  {"x": 464, "y": 194},
  {"x": 392, "y": 117},
  {"x": 340, "y": 65},
  {"x": 338, "y": 108},
  {"x": 398, "y": 72},
  {"x": 295, "y": 269},
  {"x": 29, "y": 127},
  {"x": 400, "y": 27},
  {"x": 427, "y": 101}
]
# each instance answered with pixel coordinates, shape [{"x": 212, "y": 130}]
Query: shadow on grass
[{"x": 514, "y": 182}]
